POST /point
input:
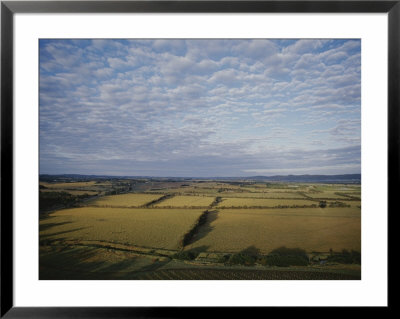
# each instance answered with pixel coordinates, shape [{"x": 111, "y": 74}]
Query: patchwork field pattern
[{"x": 150, "y": 224}]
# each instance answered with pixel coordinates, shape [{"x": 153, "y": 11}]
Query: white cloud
[{"x": 242, "y": 102}]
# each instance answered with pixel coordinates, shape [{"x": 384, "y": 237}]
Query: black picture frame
[{"x": 9, "y": 8}]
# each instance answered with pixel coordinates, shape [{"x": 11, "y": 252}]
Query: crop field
[
  {"x": 273, "y": 195},
  {"x": 232, "y": 274},
  {"x": 281, "y": 195},
  {"x": 215, "y": 185},
  {"x": 210, "y": 188},
  {"x": 256, "y": 202},
  {"x": 188, "y": 191},
  {"x": 142, "y": 227},
  {"x": 187, "y": 201},
  {"x": 68, "y": 185},
  {"x": 312, "y": 229},
  {"x": 336, "y": 187},
  {"x": 325, "y": 195},
  {"x": 312, "y": 212},
  {"x": 264, "y": 189},
  {"x": 72, "y": 192},
  {"x": 354, "y": 203},
  {"x": 355, "y": 194},
  {"x": 124, "y": 200}
]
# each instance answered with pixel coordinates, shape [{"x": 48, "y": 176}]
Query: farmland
[
  {"x": 317, "y": 229},
  {"x": 257, "y": 202},
  {"x": 276, "y": 195},
  {"x": 124, "y": 200},
  {"x": 134, "y": 227},
  {"x": 113, "y": 228},
  {"x": 187, "y": 201}
]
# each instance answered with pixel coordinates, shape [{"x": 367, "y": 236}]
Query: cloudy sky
[{"x": 200, "y": 107}]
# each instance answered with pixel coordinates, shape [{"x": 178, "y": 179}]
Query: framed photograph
[{"x": 163, "y": 155}]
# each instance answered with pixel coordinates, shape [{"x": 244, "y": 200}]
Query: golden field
[
  {"x": 311, "y": 229},
  {"x": 273, "y": 195},
  {"x": 186, "y": 201},
  {"x": 158, "y": 228},
  {"x": 124, "y": 200},
  {"x": 246, "y": 216},
  {"x": 256, "y": 202}
]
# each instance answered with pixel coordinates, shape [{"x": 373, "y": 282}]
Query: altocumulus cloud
[{"x": 200, "y": 107}]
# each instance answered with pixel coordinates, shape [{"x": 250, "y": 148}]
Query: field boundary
[
  {"x": 115, "y": 246},
  {"x": 188, "y": 237},
  {"x": 157, "y": 201}
]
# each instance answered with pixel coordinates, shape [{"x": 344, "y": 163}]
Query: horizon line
[{"x": 159, "y": 176}]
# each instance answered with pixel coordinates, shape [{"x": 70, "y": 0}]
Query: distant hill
[{"x": 331, "y": 179}]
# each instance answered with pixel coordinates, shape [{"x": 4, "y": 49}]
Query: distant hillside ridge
[{"x": 330, "y": 179}]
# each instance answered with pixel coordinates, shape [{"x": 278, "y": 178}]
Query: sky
[{"x": 200, "y": 107}]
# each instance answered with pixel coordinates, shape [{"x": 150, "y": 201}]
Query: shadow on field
[
  {"x": 66, "y": 264},
  {"x": 50, "y": 241},
  {"x": 152, "y": 267},
  {"x": 44, "y": 227},
  {"x": 281, "y": 257},
  {"x": 206, "y": 228},
  {"x": 197, "y": 250},
  {"x": 91, "y": 264},
  {"x": 49, "y": 236},
  {"x": 190, "y": 254},
  {"x": 251, "y": 251}
]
